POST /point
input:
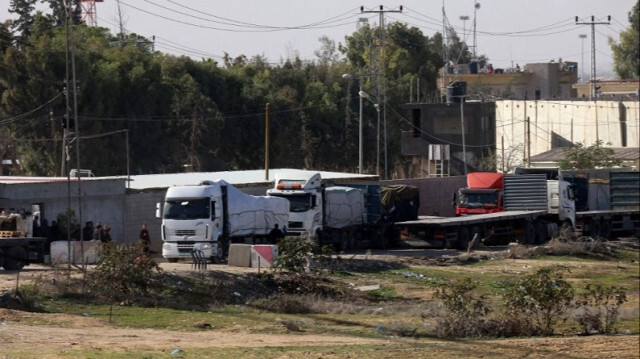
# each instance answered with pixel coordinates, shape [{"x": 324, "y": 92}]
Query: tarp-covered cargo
[
  {"x": 400, "y": 202},
  {"x": 344, "y": 207},
  {"x": 253, "y": 214}
]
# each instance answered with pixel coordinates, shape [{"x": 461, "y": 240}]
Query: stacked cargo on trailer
[
  {"x": 208, "y": 216},
  {"x": 347, "y": 215},
  {"x": 608, "y": 201}
]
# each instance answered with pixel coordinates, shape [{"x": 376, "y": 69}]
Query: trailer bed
[{"x": 470, "y": 220}]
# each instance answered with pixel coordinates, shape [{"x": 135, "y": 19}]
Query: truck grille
[
  {"x": 295, "y": 224},
  {"x": 185, "y": 232}
]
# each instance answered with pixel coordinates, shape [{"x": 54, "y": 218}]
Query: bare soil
[{"x": 47, "y": 335}]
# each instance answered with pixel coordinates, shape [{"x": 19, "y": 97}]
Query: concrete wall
[
  {"x": 553, "y": 124},
  {"x": 102, "y": 200}
]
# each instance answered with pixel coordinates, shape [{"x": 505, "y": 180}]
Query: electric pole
[
  {"x": 593, "y": 23},
  {"x": 381, "y": 86}
]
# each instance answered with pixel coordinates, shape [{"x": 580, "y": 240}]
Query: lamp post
[
  {"x": 349, "y": 76},
  {"x": 582, "y": 37}
]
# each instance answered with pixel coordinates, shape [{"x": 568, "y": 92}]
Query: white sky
[{"x": 508, "y": 31}]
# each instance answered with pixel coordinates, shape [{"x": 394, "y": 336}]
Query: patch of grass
[{"x": 384, "y": 294}]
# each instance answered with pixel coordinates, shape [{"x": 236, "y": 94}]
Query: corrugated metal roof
[
  {"x": 558, "y": 154},
  {"x": 25, "y": 179},
  {"x": 236, "y": 178}
]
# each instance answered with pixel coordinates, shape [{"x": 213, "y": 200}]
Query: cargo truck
[
  {"x": 346, "y": 215},
  {"x": 17, "y": 246},
  {"x": 483, "y": 194},
  {"x": 607, "y": 202},
  {"x": 209, "y": 216},
  {"x": 534, "y": 209}
]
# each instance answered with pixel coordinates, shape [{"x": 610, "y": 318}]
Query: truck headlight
[
  {"x": 205, "y": 246},
  {"x": 166, "y": 246}
]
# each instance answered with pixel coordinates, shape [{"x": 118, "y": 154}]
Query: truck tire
[
  {"x": 605, "y": 228},
  {"x": 542, "y": 235},
  {"x": 463, "y": 239},
  {"x": 1, "y": 257},
  {"x": 529, "y": 235},
  {"x": 15, "y": 259}
]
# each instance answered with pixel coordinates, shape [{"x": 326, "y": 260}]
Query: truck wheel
[
  {"x": 463, "y": 239},
  {"x": 541, "y": 232},
  {"x": 605, "y": 228},
  {"x": 529, "y": 235},
  {"x": 15, "y": 258},
  {"x": 1, "y": 257},
  {"x": 172, "y": 260}
]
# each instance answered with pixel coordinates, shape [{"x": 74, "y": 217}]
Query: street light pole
[{"x": 464, "y": 147}]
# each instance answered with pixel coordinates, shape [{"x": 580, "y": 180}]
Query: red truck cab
[{"x": 483, "y": 194}]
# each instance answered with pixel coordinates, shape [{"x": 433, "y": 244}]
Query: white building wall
[{"x": 576, "y": 121}]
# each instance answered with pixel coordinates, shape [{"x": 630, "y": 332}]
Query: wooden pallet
[{"x": 10, "y": 234}]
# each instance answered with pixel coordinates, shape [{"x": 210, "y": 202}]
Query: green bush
[
  {"x": 293, "y": 254},
  {"x": 540, "y": 300},
  {"x": 123, "y": 272},
  {"x": 464, "y": 311}
]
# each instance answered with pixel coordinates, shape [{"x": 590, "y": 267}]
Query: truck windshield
[
  {"x": 478, "y": 200},
  {"x": 297, "y": 202},
  {"x": 186, "y": 209}
]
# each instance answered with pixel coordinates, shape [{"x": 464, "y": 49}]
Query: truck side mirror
[
  {"x": 158, "y": 207},
  {"x": 213, "y": 210},
  {"x": 454, "y": 199}
]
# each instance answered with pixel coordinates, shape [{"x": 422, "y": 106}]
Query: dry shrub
[{"x": 581, "y": 246}]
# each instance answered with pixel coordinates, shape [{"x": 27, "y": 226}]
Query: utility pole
[
  {"x": 593, "y": 23},
  {"x": 476, "y": 6},
  {"x": 381, "y": 87},
  {"x": 266, "y": 142}
]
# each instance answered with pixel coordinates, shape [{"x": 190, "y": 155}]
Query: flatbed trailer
[
  {"x": 609, "y": 224},
  {"x": 17, "y": 252},
  {"x": 527, "y": 227}
]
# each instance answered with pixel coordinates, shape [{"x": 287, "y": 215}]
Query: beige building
[
  {"x": 551, "y": 80},
  {"x": 610, "y": 90}
]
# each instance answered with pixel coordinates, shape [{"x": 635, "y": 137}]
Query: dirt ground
[{"x": 25, "y": 333}]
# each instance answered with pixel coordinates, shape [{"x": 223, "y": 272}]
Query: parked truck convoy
[
  {"x": 17, "y": 246},
  {"x": 347, "y": 215},
  {"x": 208, "y": 216}
]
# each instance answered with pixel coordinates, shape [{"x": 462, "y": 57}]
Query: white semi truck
[
  {"x": 345, "y": 216},
  {"x": 208, "y": 216}
]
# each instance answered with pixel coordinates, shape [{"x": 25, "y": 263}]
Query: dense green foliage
[
  {"x": 626, "y": 52},
  {"x": 182, "y": 114},
  {"x": 594, "y": 156}
]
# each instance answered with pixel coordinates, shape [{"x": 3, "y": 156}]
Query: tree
[
  {"x": 626, "y": 53},
  {"x": 594, "y": 156}
]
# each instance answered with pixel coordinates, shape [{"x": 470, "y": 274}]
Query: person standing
[{"x": 145, "y": 240}]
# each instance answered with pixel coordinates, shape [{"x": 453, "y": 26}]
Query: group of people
[{"x": 100, "y": 233}]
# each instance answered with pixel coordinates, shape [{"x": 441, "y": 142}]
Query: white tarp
[
  {"x": 344, "y": 206},
  {"x": 254, "y": 214}
]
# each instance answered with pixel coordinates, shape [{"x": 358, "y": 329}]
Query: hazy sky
[{"x": 507, "y": 31}]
